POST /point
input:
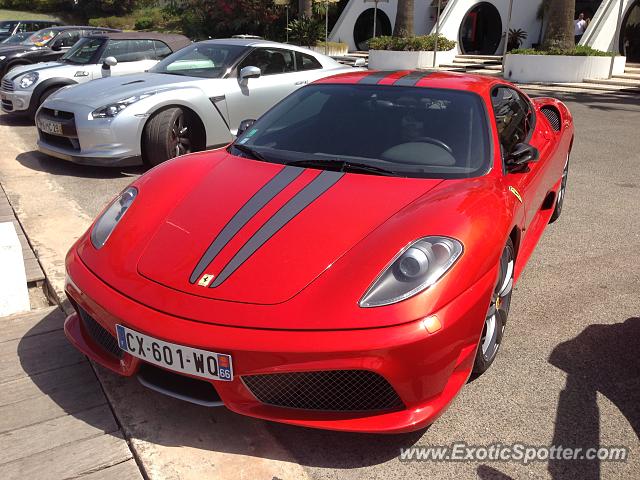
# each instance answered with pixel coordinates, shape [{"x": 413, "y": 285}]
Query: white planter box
[
  {"x": 559, "y": 68},
  {"x": 401, "y": 60},
  {"x": 14, "y": 296},
  {"x": 333, "y": 51}
]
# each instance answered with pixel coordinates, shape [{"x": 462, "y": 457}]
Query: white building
[{"x": 479, "y": 27}]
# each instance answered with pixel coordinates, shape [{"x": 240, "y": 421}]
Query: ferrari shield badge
[
  {"x": 514, "y": 191},
  {"x": 205, "y": 280}
]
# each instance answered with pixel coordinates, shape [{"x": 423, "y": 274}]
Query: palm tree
[
  {"x": 305, "y": 8},
  {"x": 560, "y": 29},
  {"x": 404, "y": 19}
]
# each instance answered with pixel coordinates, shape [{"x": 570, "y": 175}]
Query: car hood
[
  {"x": 113, "y": 89},
  {"x": 256, "y": 232},
  {"x": 41, "y": 68}
]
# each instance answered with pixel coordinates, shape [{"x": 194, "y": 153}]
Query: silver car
[
  {"x": 101, "y": 55},
  {"x": 193, "y": 100}
]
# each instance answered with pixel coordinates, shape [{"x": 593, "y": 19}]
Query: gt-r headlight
[
  {"x": 111, "y": 216},
  {"x": 28, "y": 79},
  {"x": 2, "y": 57},
  {"x": 415, "y": 268},
  {"x": 113, "y": 109}
]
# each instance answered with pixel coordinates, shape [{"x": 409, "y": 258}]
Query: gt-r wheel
[
  {"x": 167, "y": 135},
  {"x": 561, "y": 193},
  {"x": 496, "y": 318}
]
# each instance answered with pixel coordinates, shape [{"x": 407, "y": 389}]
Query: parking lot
[{"x": 568, "y": 372}]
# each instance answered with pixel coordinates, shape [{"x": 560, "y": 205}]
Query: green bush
[
  {"x": 411, "y": 44},
  {"x": 144, "y": 23},
  {"x": 578, "y": 51},
  {"x": 306, "y": 31},
  {"x": 121, "y": 23}
]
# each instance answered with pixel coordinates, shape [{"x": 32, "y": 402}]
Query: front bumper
[
  {"x": 100, "y": 142},
  {"x": 16, "y": 101},
  {"x": 425, "y": 370}
]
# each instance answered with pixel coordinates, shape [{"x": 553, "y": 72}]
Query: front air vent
[{"x": 553, "y": 116}]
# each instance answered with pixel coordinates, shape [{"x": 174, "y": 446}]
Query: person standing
[{"x": 580, "y": 25}]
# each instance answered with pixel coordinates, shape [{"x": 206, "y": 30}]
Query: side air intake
[{"x": 553, "y": 116}]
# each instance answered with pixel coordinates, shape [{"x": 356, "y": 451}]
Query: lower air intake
[
  {"x": 335, "y": 390},
  {"x": 99, "y": 334}
]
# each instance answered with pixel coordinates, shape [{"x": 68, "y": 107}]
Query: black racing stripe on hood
[
  {"x": 246, "y": 213},
  {"x": 289, "y": 210},
  {"x": 374, "y": 77},
  {"x": 411, "y": 79},
  {"x": 39, "y": 69}
]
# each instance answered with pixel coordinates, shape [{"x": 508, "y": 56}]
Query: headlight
[
  {"x": 114, "y": 109},
  {"x": 414, "y": 269},
  {"x": 2, "y": 57},
  {"x": 28, "y": 79},
  {"x": 111, "y": 216}
]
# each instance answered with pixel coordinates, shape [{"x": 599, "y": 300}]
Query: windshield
[
  {"x": 83, "y": 51},
  {"x": 41, "y": 37},
  {"x": 15, "y": 39},
  {"x": 401, "y": 131},
  {"x": 202, "y": 60}
]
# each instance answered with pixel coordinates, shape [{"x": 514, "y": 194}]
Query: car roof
[
  {"x": 80, "y": 27},
  {"x": 173, "y": 40},
  {"x": 415, "y": 78},
  {"x": 253, "y": 42}
]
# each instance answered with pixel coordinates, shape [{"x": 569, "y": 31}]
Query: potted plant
[
  {"x": 406, "y": 53},
  {"x": 516, "y": 37},
  {"x": 559, "y": 60}
]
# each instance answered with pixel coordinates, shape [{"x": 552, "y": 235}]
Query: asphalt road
[{"x": 568, "y": 373}]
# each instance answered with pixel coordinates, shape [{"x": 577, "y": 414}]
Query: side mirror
[
  {"x": 244, "y": 126},
  {"x": 249, "y": 72},
  {"x": 359, "y": 62},
  {"x": 109, "y": 62},
  {"x": 56, "y": 47},
  {"x": 521, "y": 154}
]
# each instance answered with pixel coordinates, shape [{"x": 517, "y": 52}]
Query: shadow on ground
[
  {"x": 44, "y": 163},
  {"x": 603, "y": 358}
]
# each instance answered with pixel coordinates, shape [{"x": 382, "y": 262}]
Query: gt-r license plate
[
  {"x": 47, "y": 126},
  {"x": 181, "y": 359}
]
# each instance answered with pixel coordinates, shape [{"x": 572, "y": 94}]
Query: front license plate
[
  {"x": 200, "y": 363},
  {"x": 47, "y": 126}
]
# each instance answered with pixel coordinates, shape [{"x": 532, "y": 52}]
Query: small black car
[
  {"x": 11, "y": 27},
  {"x": 45, "y": 45}
]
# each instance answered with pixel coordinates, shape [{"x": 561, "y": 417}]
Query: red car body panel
[{"x": 293, "y": 305}]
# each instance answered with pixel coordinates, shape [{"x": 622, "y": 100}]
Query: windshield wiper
[
  {"x": 343, "y": 166},
  {"x": 249, "y": 151}
]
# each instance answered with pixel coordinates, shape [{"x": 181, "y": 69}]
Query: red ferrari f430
[{"x": 347, "y": 263}]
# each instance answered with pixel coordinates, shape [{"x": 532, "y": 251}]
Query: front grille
[
  {"x": 62, "y": 142},
  {"x": 335, "y": 390},
  {"x": 57, "y": 114},
  {"x": 99, "y": 334},
  {"x": 553, "y": 116},
  {"x": 7, "y": 85}
]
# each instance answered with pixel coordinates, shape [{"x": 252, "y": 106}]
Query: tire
[
  {"x": 557, "y": 210},
  {"x": 166, "y": 135},
  {"x": 496, "y": 317},
  {"x": 46, "y": 94}
]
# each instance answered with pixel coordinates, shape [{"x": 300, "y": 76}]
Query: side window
[
  {"x": 130, "y": 50},
  {"x": 162, "y": 50},
  {"x": 270, "y": 61},
  {"x": 306, "y": 62},
  {"x": 512, "y": 114},
  {"x": 67, "y": 39},
  {"x": 23, "y": 27}
]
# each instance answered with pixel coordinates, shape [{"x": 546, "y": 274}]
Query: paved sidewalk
[{"x": 55, "y": 421}]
